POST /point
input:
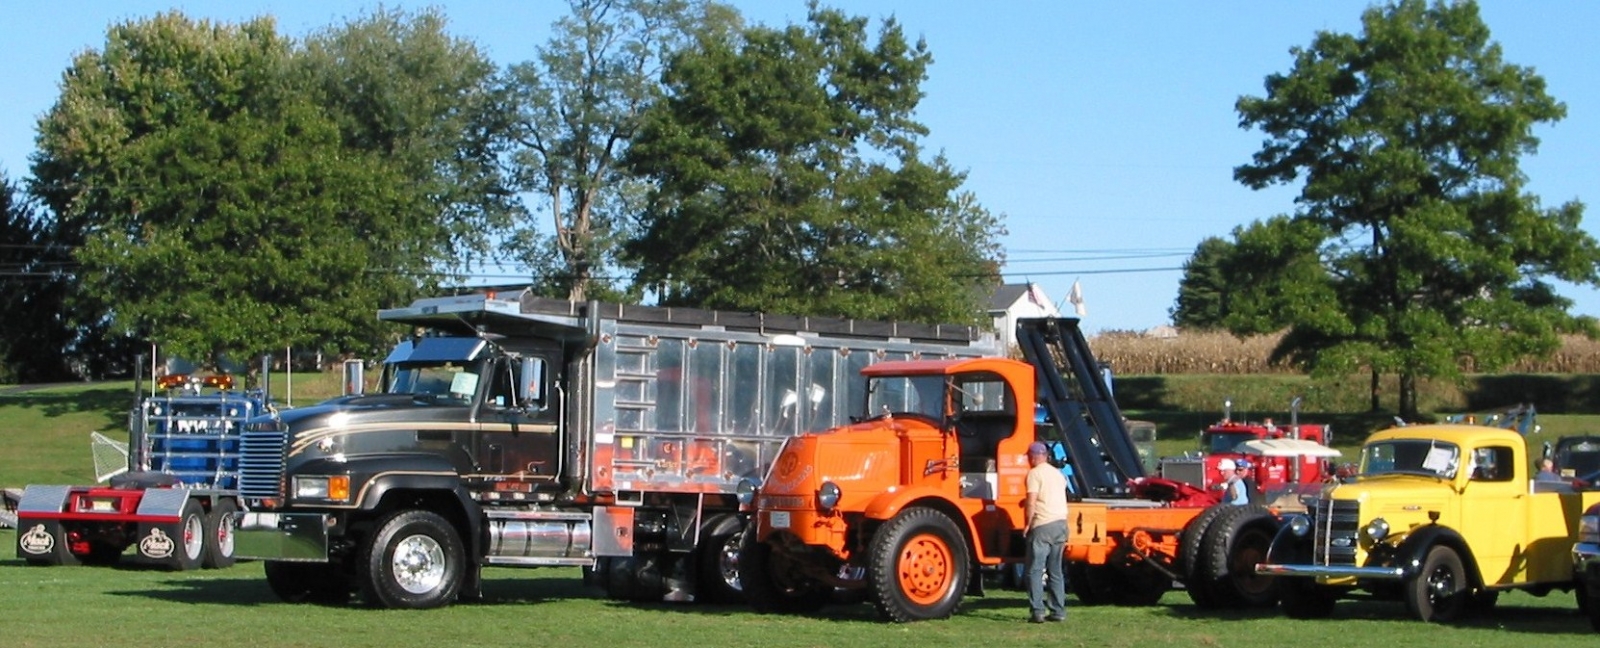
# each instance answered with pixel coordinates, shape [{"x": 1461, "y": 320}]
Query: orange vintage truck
[{"x": 907, "y": 504}]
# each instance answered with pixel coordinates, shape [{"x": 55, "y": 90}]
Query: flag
[{"x": 1075, "y": 297}]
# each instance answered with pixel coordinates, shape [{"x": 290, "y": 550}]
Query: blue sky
[{"x": 1104, "y": 132}]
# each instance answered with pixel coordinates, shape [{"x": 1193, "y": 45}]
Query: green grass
[{"x": 84, "y": 606}]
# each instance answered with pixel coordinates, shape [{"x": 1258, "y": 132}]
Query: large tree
[
  {"x": 788, "y": 177},
  {"x": 1407, "y": 138},
  {"x": 33, "y": 271},
  {"x": 573, "y": 112},
  {"x": 221, "y": 196}
]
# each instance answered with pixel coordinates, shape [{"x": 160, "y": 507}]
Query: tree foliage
[
  {"x": 32, "y": 285},
  {"x": 222, "y": 191},
  {"x": 574, "y": 112},
  {"x": 1203, "y": 291},
  {"x": 1429, "y": 254},
  {"x": 788, "y": 176}
]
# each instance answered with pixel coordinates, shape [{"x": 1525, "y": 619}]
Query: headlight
[
  {"x": 1589, "y": 529},
  {"x": 828, "y": 496},
  {"x": 1377, "y": 529},
  {"x": 1300, "y": 525},
  {"x": 745, "y": 492},
  {"x": 335, "y": 487}
]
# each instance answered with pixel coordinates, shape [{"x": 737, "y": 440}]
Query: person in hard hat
[
  {"x": 1045, "y": 515},
  {"x": 1234, "y": 488}
]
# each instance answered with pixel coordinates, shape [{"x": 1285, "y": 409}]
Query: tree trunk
[
  {"x": 1372, "y": 392},
  {"x": 1408, "y": 396}
]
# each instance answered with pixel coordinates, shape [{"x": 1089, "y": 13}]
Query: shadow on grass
[{"x": 1520, "y": 619}]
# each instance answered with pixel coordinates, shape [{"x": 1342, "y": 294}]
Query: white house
[{"x": 1013, "y": 301}]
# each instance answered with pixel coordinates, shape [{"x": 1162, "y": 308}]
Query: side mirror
[{"x": 530, "y": 382}]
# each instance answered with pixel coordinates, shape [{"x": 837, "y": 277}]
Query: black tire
[
  {"x": 717, "y": 564},
  {"x": 1189, "y": 554},
  {"x": 1135, "y": 583},
  {"x": 414, "y": 560},
  {"x": 1303, "y": 598},
  {"x": 44, "y": 544},
  {"x": 1090, "y": 590},
  {"x": 300, "y": 582},
  {"x": 1589, "y": 602},
  {"x": 1439, "y": 593},
  {"x": 219, "y": 529},
  {"x": 918, "y": 567},
  {"x": 179, "y": 546},
  {"x": 772, "y": 583},
  {"x": 1234, "y": 543},
  {"x": 635, "y": 579}
]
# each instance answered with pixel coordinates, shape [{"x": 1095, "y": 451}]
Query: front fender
[
  {"x": 1287, "y": 547},
  {"x": 1413, "y": 550},
  {"x": 888, "y": 504}
]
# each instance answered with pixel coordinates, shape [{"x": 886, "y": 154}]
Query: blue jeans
[{"x": 1045, "y": 546}]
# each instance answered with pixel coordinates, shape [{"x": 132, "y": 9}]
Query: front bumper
[
  {"x": 300, "y": 537},
  {"x": 1331, "y": 571}
]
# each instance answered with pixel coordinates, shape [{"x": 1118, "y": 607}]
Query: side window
[
  {"x": 501, "y": 386},
  {"x": 1492, "y": 464}
]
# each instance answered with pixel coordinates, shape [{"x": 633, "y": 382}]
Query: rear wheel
[
  {"x": 1133, "y": 583},
  {"x": 919, "y": 566},
  {"x": 718, "y": 565},
  {"x": 1087, "y": 583},
  {"x": 773, "y": 583},
  {"x": 180, "y": 546},
  {"x": 219, "y": 530},
  {"x": 415, "y": 560},
  {"x": 1438, "y": 593}
]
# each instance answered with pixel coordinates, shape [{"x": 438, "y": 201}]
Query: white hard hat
[{"x": 1225, "y": 464}]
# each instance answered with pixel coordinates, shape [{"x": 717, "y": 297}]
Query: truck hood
[
  {"x": 363, "y": 403},
  {"x": 1402, "y": 500},
  {"x": 863, "y": 459}
]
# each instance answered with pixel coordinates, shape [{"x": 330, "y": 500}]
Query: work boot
[{"x": 1036, "y": 617}]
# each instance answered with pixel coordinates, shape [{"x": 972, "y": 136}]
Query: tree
[
  {"x": 787, "y": 177},
  {"x": 574, "y": 112},
  {"x": 32, "y": 271},
  {"x": 1430, "y": 253},
  {"x": 1203, "y": 290},
  {"x": 218, "y": 196}
]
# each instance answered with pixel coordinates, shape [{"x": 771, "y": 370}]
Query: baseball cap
[{"x": 1037, "y": 448}]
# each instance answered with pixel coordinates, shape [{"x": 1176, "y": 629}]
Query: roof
[
  {"x": 1006, "y": 295},
  {"x": 1286, "y": 448}
]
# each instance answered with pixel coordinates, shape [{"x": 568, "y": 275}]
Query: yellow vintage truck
[{"x": 1443, "y": 517}]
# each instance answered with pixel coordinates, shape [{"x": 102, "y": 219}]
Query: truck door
[
  {"x": 1494, "y": 514},
  {"x": 518, "y": 438}
]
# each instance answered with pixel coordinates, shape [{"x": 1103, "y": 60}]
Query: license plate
[
  {"x": 779, "y": 519},
  {"x": 103, "y": 506}
]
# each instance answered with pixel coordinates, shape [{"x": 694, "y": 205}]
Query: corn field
[{"x": 1221, "y": 353}]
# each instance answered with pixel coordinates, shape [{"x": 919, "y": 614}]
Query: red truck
[{"x": 1286, "y": 461}]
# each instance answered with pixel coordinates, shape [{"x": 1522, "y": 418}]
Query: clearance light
[{"x": 172, "y": 381}]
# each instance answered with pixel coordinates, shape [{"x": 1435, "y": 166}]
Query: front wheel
[
  {"x": 1438, "y": 593},
  {"x": 919, "y": 566},
  {"x": 718, "y": 566},
  {"x": 415, "y": 560}
]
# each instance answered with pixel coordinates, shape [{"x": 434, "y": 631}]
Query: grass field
[{"x": 97, "y": 606}]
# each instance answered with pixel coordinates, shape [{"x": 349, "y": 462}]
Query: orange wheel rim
[{"x": 925, "y": 569}]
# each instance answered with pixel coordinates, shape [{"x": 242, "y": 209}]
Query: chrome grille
[
  {"x": 261, "y": 464},
  {"x": 1336, "y": 523}
]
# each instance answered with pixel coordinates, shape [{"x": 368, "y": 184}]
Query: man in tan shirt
[{"x": 1045, "y": 509}]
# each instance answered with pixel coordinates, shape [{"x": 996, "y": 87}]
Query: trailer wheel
[
  {"x": 220, "y": 525},
  {"x": 1235, "y": 542},
  {"x": 44, "y": 544},
  {"x": 1189, "y": 555},
  {"x": 299, "y": 582},
  {"x": 636, "y": 579},
  {"x": 415, "y": 560},
  {"x": 773, "y": 583},
  {"x": 179, "y": 546},
  {"x": 1438, "y": 593},
  {"x": 1303, "y": 598},
  {"x": 718, "y": 564},
  {"x": 1090, "y": 590},
  {"x": 919, "y": 566}
]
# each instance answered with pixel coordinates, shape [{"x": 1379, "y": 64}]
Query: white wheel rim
[
  {"x": 193, "y": 536},
  {"x": 417, "y": 564},
  {"x": 225, "y": 536}
]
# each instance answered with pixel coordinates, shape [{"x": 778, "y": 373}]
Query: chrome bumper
[
  {"x": 1331, "y": 571},
  {"x": 299, "y": 537}
]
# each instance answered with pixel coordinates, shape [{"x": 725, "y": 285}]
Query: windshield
[
  {"x": 906, "y": 394},
  {"x": 1410, "y": 456},
  {"x": 1223, "y": 442},
  {"x": 435, "y": 380}
]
